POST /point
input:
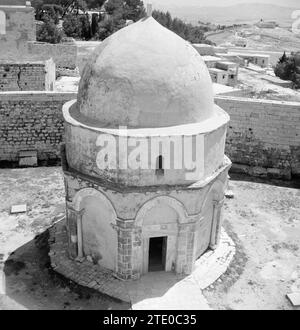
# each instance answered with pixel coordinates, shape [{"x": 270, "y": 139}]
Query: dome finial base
[{"x": 149, "y": 9}]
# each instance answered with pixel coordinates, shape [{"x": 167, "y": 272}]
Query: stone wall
[
  {"x": 18, "y": 39},
  {"x": 64, "y": 55},
  {"x": 31, "y": 121},
  {"x": 33, "y": 76},
  {"x": 263, "y": 136}
]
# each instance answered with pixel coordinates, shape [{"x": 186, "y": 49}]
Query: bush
[
  {"x": 109, "y": 26},
  {"x": 77, "y": 26},
  {"x": 48, "y": 32},
  {"x": 95, "y": 24},
  {"x": 72, "y": 26},
  {"x": 53, "y": 12},
  {"x": 288, "y": 68}
]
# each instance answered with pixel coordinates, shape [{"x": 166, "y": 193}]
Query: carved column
[
  {"x": 71, "y": 231},
  {"x": 185, "y": 248},
  {"x": 74, "y": 220}
]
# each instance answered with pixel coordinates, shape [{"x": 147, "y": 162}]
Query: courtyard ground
[{"x": 263, "y": 219}]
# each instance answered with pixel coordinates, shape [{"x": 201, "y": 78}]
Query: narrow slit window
[{"x": 159, "y": 166}]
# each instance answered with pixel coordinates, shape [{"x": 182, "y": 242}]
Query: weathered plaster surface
[
  {"x": 179, "y": 213},
  {"x": 20, "y": 29},
  {"x": 144, "y": 76}
]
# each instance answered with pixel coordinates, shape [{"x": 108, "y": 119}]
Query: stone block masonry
[
  {"x": 27, "y": 76},
  {"x": 263, "y": 136},
  {"x": 31, "y": 121}
]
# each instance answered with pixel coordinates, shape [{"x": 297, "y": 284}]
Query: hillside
[{"x": 242, "y": 13}]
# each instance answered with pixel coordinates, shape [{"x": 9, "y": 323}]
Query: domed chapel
[{"x": 144, "y": 164}]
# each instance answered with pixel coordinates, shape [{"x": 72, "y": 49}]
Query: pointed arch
[
  {"x": 173, "y": 203},
  {"x": 89, "y": 192},
  {"x": 217, "y": 191}
]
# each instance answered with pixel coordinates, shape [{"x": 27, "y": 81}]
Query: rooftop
[
  {"x": 217, "y": 70},
  {"x": 249, "y": 54},
  {"x": 208, "y": 58}
]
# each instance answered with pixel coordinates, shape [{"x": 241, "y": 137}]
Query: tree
[
  {"x": 77, "y": 26},
  {"x": 106, "y": 28},
  {"x": 95, "y": 4},
  {"x": 66, "y": 5},
  {"x": 48, "y": 32},
  {"x": 287, "y": 68},
  {"x": 52, "y": 12},
  {"x": 37, "y": 5},
  {"x": 283, "y": 59},
  {"x": 85, "y": 27},
  {"x": 95, "y": 24},
  {"x": 133, "y": 10},
  {"x": 114, "y": 7},
  {"x": 72, "y": 26},
  {"x": 109, "y": 26},
  {"x": 189, "y": 32}
]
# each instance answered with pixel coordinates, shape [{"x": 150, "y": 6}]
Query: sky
[{"x": 208, "y": 3}]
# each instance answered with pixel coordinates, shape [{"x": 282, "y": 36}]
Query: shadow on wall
[
  {"x": 294, "y": 183},
  {"x": 30, "y": 283}
]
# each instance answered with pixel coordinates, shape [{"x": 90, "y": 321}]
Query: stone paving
[
  {"x": 161, "y": 290},
  {"x": 85, "y": 272},
  {"x": 154, "y": 291},
  {"x": 214, "y": 263}
]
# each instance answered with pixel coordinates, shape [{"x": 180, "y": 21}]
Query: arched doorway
[
  {"x": 158, "y": 220},
  {"x": 159, "y": 234}
]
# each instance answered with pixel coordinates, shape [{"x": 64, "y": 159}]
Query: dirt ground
[
  {"x": 25, "y": 273},
  {"x": 263, "y": 219},
  {"x": 278, "y": 39}
]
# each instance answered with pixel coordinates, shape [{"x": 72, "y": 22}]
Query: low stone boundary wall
[
  {"x": 64, "y": 55},
  {"x": 31, "y": 121},
  {"x": 263, "y": 136},
  {"x": 27, "y": 76}
]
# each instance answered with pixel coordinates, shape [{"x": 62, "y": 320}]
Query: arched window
[
  {"x": 2, "y": 22},
  {"x": 159, "y": 166}
]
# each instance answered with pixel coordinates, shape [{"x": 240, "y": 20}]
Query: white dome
[{"x": 145, "y": 76}]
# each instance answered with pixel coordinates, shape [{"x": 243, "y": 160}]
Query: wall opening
[
  {"x": 2, "y": 22},
  {"x": 159, "y": 166},
  {"x": 157, "y": 254}
]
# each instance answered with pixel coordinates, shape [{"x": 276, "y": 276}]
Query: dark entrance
[{"x": 157, "y": 254}]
